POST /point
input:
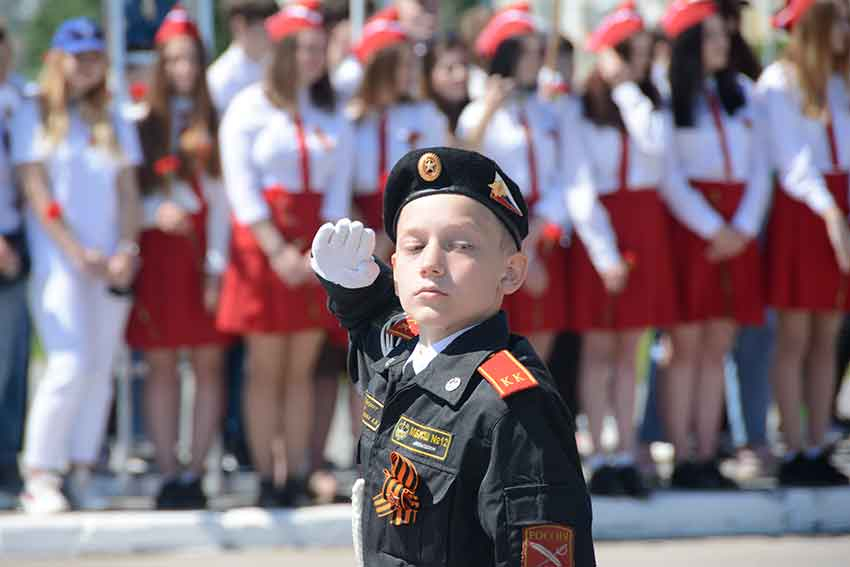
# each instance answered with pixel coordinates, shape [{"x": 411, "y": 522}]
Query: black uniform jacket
[{"x": 457, "y": 475}]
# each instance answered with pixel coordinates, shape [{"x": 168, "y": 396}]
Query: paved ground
[{"x": 743, "y": 552}]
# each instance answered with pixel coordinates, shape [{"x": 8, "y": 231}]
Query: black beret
[{"x": 429, "y": 171}]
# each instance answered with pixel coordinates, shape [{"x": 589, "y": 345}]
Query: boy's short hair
[
  {"x": 251, "y": 10},
  {"x": 441, "y": 170}
]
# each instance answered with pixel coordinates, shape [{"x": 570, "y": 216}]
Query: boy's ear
[{"x": 516, "y": 268}]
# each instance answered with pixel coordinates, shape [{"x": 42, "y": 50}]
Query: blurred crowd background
[{"x": 164, "y": 167}]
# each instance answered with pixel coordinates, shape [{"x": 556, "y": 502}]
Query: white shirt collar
[{"x": 423, "y": 355}]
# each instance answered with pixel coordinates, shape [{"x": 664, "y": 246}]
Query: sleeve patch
[
  {"x": 506, "y": 374},
  {"x": 549, "y": 545}
]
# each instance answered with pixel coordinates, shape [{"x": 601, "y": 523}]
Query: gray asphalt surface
[{"x": 737, "y": 552}]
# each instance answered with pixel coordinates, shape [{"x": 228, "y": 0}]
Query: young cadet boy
[{"x": 467, "y": 450}]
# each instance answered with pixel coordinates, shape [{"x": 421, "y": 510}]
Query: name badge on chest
[
  {"x": 422, "y": 439},
  {"x": 372, "y": 408}
]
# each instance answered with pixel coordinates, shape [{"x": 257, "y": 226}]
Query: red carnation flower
[
  {"x": 53, "y": 211},
  {"x": 138, "y": 91},
  {"x": 166, "y": 165}
]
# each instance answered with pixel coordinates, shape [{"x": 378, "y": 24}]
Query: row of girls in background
[
  {"x": 664, "y": 179},
  {"x": 705, "y": 159}
]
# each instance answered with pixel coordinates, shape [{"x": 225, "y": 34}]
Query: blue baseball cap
[{"x": 78, "y": 35}]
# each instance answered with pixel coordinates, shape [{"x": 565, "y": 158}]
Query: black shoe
[
  {"x": 191, "y": 495},
  {"x": 268, "y": 494},
  {"x": 712, "y": 479},
  {"x": 294, "y": 493},
  {"x": 606, "y": 482},
  {"x": 823, "y": 473},
  {"x": 795, "y": 472},
  {"x": 686, "y": 476},
  {"x": 632, "y": 482},
  {"x": 168, "y": 497}
]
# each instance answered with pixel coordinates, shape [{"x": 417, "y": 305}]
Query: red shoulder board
[
  {"x": 507, "y": 374},
  {"x": 406, "y": 329}
]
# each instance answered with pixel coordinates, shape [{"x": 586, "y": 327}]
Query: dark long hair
[
  {"x": 197, "y": 146},
  {"x": 742, "y": 58},
  {"x": 436, "y": 48},
  {"x": 598, "y": 105},
  {"x": 687, "y": 77},
  {"x": 505, "y": 59}
]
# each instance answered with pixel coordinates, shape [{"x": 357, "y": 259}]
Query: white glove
[
  {"x": 342, "y": 254},
  {"x": 357, "y": 499}
]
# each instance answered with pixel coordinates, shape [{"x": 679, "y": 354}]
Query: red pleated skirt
[
  {"x": 801, "y": 265},
  {"x": 168, "y": 308},
  {"x": 254, "y": 300},
  {"x": 640, "y": 221},
  {"x": 732, "y": 289},
  {"x": 545, "y": 314},
  {"x": 371, "y": 209}
]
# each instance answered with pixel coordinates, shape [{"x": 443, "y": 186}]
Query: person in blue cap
[{"x": 75, "y": 156}]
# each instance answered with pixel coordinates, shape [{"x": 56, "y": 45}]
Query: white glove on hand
[{"x": 342, "y": 254}]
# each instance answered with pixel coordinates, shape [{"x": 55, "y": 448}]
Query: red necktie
[
  {"x": 624, "y": 160},
  {"x": 382, "y": 152},
  {"x": 714, "y": 107},
  {"x": 303, "y": 154},
  {"x": 532, "y": 162}
]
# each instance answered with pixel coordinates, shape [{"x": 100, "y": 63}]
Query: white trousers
[{"x": 81, "y": 327}]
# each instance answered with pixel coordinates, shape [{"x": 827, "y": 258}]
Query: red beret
[
  {"x": 293, "y": 18},
  {"x": 381, "y": 30},
  {"x": 176, "y": 22},
  {"x": 791, "y": 13},
  {"x": 508, "y": 22},
  {"x": 683, "y": 14},
  {"x": 618, "y": 26}
]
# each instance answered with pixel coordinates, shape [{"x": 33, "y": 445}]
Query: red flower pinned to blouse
[
  {"x": 138, "y": 91},
  {"x": 413, "y": 137},
  {"x": 630, "y": 258},
  {"x": 551, "y": 234},
  {"x": 166, "y": 165},
  {"x": 53, "y": 211}
]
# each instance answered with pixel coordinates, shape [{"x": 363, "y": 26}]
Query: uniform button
[{"x": 453, "y": 384}]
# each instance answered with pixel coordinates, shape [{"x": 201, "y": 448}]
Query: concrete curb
[{"x": 666, "y": 515}]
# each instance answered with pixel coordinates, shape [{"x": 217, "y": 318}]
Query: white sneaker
[
  {"x": 84, "y": 491},
  {"x": 42, "y": 495}
]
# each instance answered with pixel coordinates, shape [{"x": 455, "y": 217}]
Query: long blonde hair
[
  {"x": 54, "y": 101},
  {"x": 810, "y": 54}
]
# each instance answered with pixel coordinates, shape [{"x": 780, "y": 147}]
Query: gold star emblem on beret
[{"x": 430, "y": 167}]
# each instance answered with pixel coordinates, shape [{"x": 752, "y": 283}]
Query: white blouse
[
  {"x": 259, "y": 149},
  {"x": 592, "y": 157},
  {"x": 83, "y": 178},
  {"x": 696, "y": 153},
  {"x": 230, "y": 73},
  {"x": 799, "y": 146},
  {"x": 506, "y": 142},
  {"x": 407, "y": 127}
]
